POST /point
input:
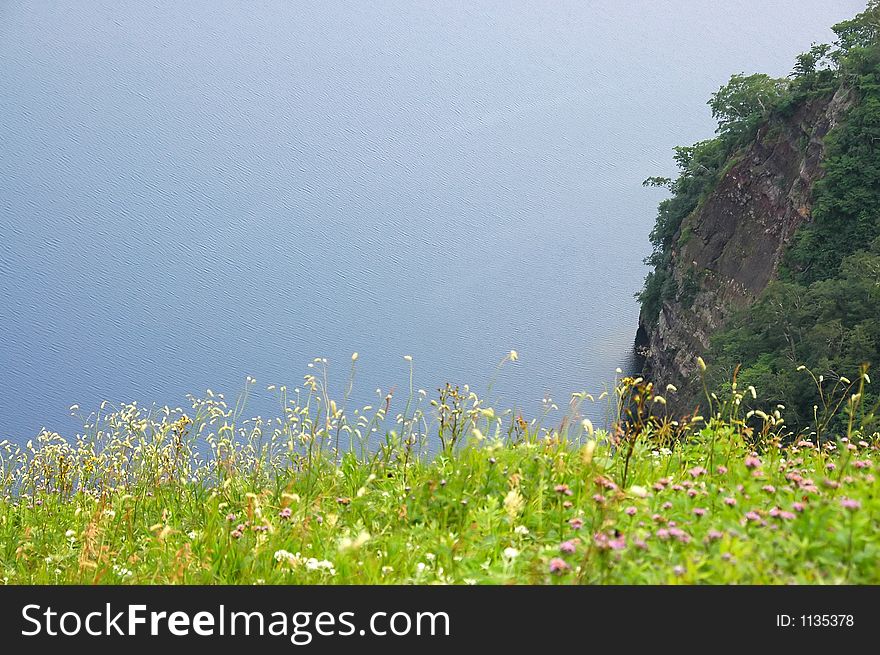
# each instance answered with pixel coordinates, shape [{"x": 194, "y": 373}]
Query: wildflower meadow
[{"x": 442, "y": 489}]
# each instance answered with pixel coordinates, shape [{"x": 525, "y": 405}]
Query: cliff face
[{"x": 730, "y": 247}]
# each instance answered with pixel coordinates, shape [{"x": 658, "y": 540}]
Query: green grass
[{"x": 163, "y": 496}]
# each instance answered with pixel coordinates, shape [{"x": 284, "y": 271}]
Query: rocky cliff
[{"x": 729, "y": 248}]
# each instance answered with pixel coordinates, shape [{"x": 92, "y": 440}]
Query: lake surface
[{"x": 193, "y": 192}]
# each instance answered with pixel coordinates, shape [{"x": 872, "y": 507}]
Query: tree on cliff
[{"x": 745, "y": 102}]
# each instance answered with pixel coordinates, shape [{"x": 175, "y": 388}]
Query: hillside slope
[{"x": 730, "y": 247}]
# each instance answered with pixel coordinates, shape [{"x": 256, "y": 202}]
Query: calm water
[{"x": 192, "y": 192}]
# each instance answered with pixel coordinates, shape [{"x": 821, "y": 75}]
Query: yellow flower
[{"x": 513, "y": 504}]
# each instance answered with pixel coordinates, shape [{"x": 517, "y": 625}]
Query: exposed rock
[{"x": 731, "y": 246}]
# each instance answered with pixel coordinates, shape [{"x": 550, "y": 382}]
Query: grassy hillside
[{"x": 203, "y": 496}]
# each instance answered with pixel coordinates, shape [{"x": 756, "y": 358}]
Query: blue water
[{"x": 192, "y": 192}]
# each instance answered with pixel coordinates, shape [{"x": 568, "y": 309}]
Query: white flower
[
  {"x": 313, "y": 564},
  {"x": 121, "y": 571},
  {"x": 510, "y": 553},
  {"x": 521, "y": 530},
  {"x": 288, "y": 558},
  {"x": 639, "y": 492},
  {"x": 347, "y": 543}
]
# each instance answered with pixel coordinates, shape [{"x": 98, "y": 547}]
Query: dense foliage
[{"x": 824, "y": 312}]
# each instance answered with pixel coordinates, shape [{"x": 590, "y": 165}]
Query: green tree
[{"x": 744, "y": 102}]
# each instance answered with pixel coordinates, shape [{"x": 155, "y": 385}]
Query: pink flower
[
  {"x": 769, "y": 488},
  {"x": 663, "y": 534},
  {"x": 658, "y": 518},
  {"x": 680, "y": 534},
  {"x": 850, "y": 504},
  {"x": 567, "y": 504},
  {"x": 799, "y": 507},
  {"x": 236, "y": 534},
  {"x": 753, "y": 516},
  {"x": 602, "y": 481},
  {"x": 788, "y": 516},
  {"x": 567, "y": 547},
  {"x": 658, "y": 487},
  {"x": 697, "y": 471},
  {"x": 830, "y": 466},
  {"x": 603, "y": 542},
  {"x": 721, "y": 470},
  {"x": 862, "y": 464},
  {"x": 678, "y": 570},
  {"x": 640, "y": 544},
  {"x": 730, "y": 501},
  {"x": 576, "y": 523},
  {"x": 563, "y": 489},
  {"x": 713, "y": 535},
  {"x": 230, "y": 517},
  {"x": 618, "y": 544},
  {"x": 677, "y": 487},
  {"x": 630, "y": 511},
  {"x": 666, "y": 505},
  {"x": 699, "y": 511},
  {"x": 752, "y": 461},
  {"x": 558, "y": 566},
  {"x": 599, "y": 499},
  {"x": 285, "y": 513}
]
